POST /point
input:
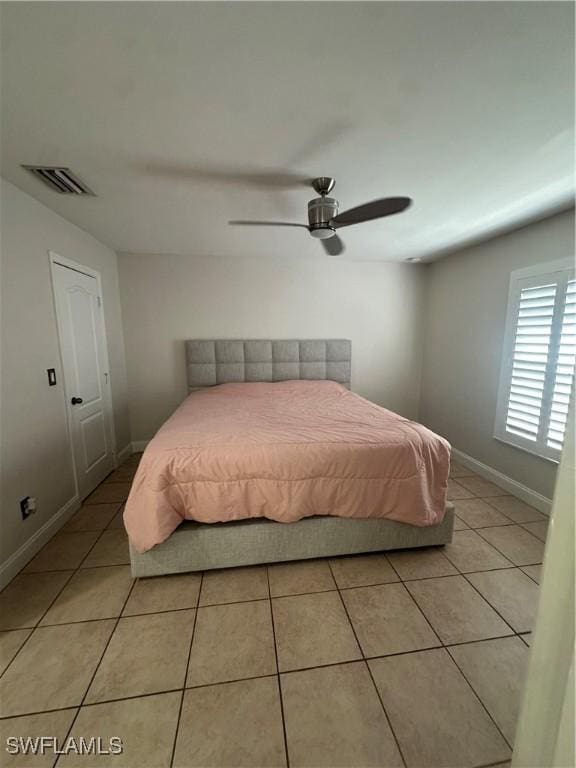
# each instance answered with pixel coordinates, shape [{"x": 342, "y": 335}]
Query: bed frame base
[{"x": 200, "y": 547}]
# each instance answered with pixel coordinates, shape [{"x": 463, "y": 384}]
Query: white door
[{"x": 86, "y": 379}]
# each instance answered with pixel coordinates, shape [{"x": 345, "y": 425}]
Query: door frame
[{"x": 55, "y": 259}]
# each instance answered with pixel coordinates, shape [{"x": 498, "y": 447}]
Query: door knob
[{"x": 77, "y": 400}]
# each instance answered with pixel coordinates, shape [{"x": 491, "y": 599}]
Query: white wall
[
  {"x": 167, "y": 299},
  {"x": 464, "y": 329},
  {"x": 35, "y": 453}
]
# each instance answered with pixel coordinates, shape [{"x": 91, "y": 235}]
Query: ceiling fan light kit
[
  {"x": 321, "y": 211},
  {"x": 324, "y": 219}
]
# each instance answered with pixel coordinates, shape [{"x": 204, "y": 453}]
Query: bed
[{"x": 271, "y": 458}]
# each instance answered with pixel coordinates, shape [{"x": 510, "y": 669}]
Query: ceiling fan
[{"x": 324, "y": 219}]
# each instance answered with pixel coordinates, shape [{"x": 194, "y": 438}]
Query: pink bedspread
[{"x": 285, "y": 451}]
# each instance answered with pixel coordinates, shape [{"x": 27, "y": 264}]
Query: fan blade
[
  {"x": 333, "y": 245},
  {"x": 369, "y": 211},
  {"x": 266, "y": 224}
]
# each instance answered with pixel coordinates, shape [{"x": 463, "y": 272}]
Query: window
[{"x": 538, "y": 361}]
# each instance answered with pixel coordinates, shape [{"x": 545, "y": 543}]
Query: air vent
[{"x": 60, "y": 180}]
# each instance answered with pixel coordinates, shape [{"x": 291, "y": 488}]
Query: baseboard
[
  {"x": 536, "y": 500},
  {"x": 136, "y": 447},
  {"x": 124, "y": 453},
  {"x": 10, "y": 567}
]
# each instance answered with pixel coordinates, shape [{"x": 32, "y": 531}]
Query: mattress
[{"x": 285, "y": 451}]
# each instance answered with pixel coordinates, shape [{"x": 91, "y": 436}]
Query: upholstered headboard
[{"x": 228, "y": 360}]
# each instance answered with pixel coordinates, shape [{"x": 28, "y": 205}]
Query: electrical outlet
[{"x": 27, "y": 506}]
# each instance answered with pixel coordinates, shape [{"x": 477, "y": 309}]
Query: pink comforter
[{"x": 285, "y": 451}]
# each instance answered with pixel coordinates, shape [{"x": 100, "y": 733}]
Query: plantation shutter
[
  {"x": 563, "y": 371},
  {"x": 538, "y": 364}
]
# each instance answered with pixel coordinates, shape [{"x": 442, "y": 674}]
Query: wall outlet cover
[{"x": 27, "y": 507}]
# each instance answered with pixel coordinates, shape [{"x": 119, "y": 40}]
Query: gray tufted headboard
[{"x": 228, "y": 360}]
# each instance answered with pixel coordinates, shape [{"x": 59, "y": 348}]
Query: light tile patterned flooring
[{"x": 414, "y": 658}]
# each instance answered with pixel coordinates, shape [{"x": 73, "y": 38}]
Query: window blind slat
[
  {"x": 524, "y": 420},
  {"x": 524, "y": 405},
  {"x": 520, "y": 433}
]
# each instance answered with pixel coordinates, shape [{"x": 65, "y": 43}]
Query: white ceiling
[{"x": 178, "y": 115}]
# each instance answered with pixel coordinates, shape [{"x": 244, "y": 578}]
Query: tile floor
[{"x": 414, "y": 658}]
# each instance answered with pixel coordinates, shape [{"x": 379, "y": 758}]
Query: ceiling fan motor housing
[{"x": 321, "y": 211}]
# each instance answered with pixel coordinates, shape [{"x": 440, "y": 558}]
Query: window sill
[{"x": 555, "y": 461}]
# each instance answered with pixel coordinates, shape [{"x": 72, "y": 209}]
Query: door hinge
[{"x": 99, "y": 301}]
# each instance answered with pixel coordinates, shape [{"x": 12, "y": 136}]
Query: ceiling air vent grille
[{"x": 60, "y": 180}]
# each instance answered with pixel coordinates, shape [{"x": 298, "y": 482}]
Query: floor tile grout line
[
  {"x": 292, "y": 594},
  {"x": 107, "y": 527},
  {"x": 177, "y": 729},
  {"x": 261, "y": 677},
  {"x": 271, "y": 675},
  {"x": 486, "y": 499},
  {"x": 113, "y": 617},
  {"x": 296, "y": 670},
  {"x": 97, "y": 503},
  {"x": 510, "y": 567},
  {"x": 521, "y": 567},
  {"x": 490, "y": 604},
  {"x": 240, "y": 602},
  {"x": 96, "y": 668},
  {"x": 279, "y": 679},
  {"x": 83, "y": 505},
  {"x": 482, "y": 640},
  {"x": 79, "y": 568},
  {"x": 114, "y": 482},
  {"x": 147, "y": 694},
  {"x": 6, "y": 718},
  {"x": 60, "y": 531},
  {"x": 475, "y": 530},
  {"x": 436, "y": 635},
  {"x": 518, "y": 565},
  {"x": 367, "y": 666},
  {"x": 477, "y": 696},
  {"x": 442, "y": 647},
  {"x": 476, "y": 476},
  {"x": 288, "y": 671},
  {"x": 89, "y": 530},
  {"x": 519, "y": 635},
  {"x": 90, "y": 550},
  {"x": 72, "y": 573},
  {"x": 523, "y": 525},
  {"x": 480, "y": 527},
  {"x": 37, "y": 625},
  {"x": 89, "y": 704},
  {"x": 504, "y": 493},
  {"x": 543, "y": 516},
  {"x": 141, "y": 615},
  {"x": 464, "y": 575}
]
